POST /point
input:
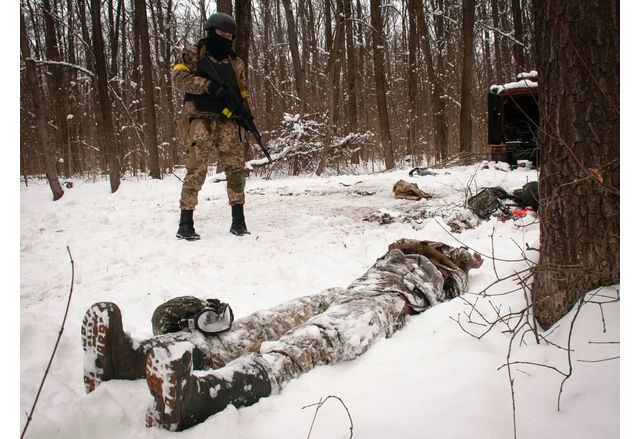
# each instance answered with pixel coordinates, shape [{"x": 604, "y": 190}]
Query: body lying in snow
[{"x": 260, "y": 353}]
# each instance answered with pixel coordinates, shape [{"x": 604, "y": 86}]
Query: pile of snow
[{"x": 431, "y": 379}]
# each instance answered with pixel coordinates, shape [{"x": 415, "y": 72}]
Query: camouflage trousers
[{"x": 204, "y": 136}]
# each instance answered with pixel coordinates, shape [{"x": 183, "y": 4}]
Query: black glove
[{"x": 218, "y": 92}]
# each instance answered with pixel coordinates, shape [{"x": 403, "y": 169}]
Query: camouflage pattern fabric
[
  {"x": 166, "y": 318},
  {"x": 409, "y": 191},
  {"x": 204, "y": 135},
  {"x": 335, "y": 325},
  {"x": 205, "y": 132},
  {"x": 487, "y": 201}
]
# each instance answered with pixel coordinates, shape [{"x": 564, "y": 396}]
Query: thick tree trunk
[
  {"x": 57, "y": 85},
  {"x": 578, "y": 48},
  {"x": 381, "y": 86},
  {"x": 243, "y": 40},
  {"x": 468, "y": 19},
  {"x": 105, "y": 113},
  {"x": 225, "y": 6},
  {"x": 40, "y": 112}
]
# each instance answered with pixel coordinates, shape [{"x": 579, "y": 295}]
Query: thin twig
[
  {"x": 320, "y": 403},
  {"x": 30, "y": 416}
]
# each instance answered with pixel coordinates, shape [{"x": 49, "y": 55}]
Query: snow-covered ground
[{"x": 431, "y": 379}]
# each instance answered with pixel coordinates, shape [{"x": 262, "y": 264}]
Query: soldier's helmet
[{"x": 221, "y": 21}]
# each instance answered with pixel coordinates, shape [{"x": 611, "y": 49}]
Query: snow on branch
[
  {"x": 45, "y": 62},
  {"x": 303, "y": 140}
]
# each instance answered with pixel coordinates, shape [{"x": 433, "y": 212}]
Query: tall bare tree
[
  {"x": 150, "y": 129},
  {"x": 518, "y": 50},
  {"x": 57, "y": 84},
  {"x": 578, "y": 49},
  {"x": 466, "y": 121},
  {"x": 298, "y": 66},
  {"x": 377, "y": 36},
  {"x": 39, "y": 110},
  {"x": 105, "y": 110}
]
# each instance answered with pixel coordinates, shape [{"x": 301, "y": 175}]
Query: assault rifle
[{"x": 235, "y": 106}]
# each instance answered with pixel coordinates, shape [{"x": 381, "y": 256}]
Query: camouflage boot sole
[
  {"x": 166, "y": 373},
  {"x": 96, "y": 343},
  {"x": 182, "y": 400},
  {"x": 108, "y": 351}
]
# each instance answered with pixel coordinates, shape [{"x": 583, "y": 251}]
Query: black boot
[
  {"x": 185, "y": 229},
  {"x": 182, "y": 400},
  {"x": 238, "y": 227}
]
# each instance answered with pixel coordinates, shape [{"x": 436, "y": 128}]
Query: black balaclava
[{"x": 218, "y": 46}]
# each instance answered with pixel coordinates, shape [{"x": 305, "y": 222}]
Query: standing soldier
[{"x": 211, "y": 78}]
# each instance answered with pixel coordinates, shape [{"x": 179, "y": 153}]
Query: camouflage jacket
[{"x": 185, "y": 80}]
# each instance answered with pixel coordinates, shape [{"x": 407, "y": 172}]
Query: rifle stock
[{"x": 236, "y": 107}]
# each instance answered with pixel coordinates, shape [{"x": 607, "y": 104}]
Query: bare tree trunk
[
  {"x": 72, "y": 123},
  {"x": 497, "y": 43},
  {"x": 352, "y": 64},
  {"x": 150, "y": 128},
  {"x": 57, "y": 85},
  {"x": 381, "y": 86},
  {"x": 243, "y": 19},
  {"x": 518, "y": 34},
  {"x": 437, "y": 93},
  {"x": 267, "y": 62},
  {"x": 39, "y": 112},
  {"x": 578, "y": 47},
  {"x": 225, "y": 6},
  {"x": 334, "y": 88},
  {"x": 412, "y": 85},
  {"x": 105, "y": 113},
  {"x": 468, "y": 14},
  {"x": 298, "y": 67}
]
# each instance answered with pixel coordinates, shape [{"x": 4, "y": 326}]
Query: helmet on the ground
[
  {"x": 209, "y": 316},
  {"x": 221, "y": 21}
]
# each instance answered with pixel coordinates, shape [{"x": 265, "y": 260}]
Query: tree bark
[
  {"x": 412, "y": 83},
  {"x": 40, "y": 112},
  {"x": 577, "y": 48},
  {"x": 57, "y": 84},
  {"x": 497, "y": 44},
  {"x": 468, "y": 19},
  {"x": 225, "y": 6},
  {"x": 105, "y": 109},
  {"x": 381, "y": 86},
  {"x": 150, "y": 128},
  {"x": 298, "y": 67},
  {"x": 518, "y": 34},
  {"x": 243, "y": 40}
]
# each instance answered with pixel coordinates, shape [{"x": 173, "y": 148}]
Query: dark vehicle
[{"x": 514, "y": 120}]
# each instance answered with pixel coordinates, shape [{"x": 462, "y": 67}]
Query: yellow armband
[{"x": 181, "y": 67}]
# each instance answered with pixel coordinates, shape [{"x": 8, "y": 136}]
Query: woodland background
[{"x": 407, "y": 79}]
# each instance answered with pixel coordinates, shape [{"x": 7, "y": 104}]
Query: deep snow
[{"x": 430, "y": 379}]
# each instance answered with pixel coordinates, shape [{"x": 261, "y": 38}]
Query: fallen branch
[{"x": 46, "y": 372}]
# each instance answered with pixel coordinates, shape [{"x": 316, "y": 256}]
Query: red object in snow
[{"x": 521, "y": 213}]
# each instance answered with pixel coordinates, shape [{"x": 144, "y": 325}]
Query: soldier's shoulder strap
[{"x": 243, "y": 89}]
